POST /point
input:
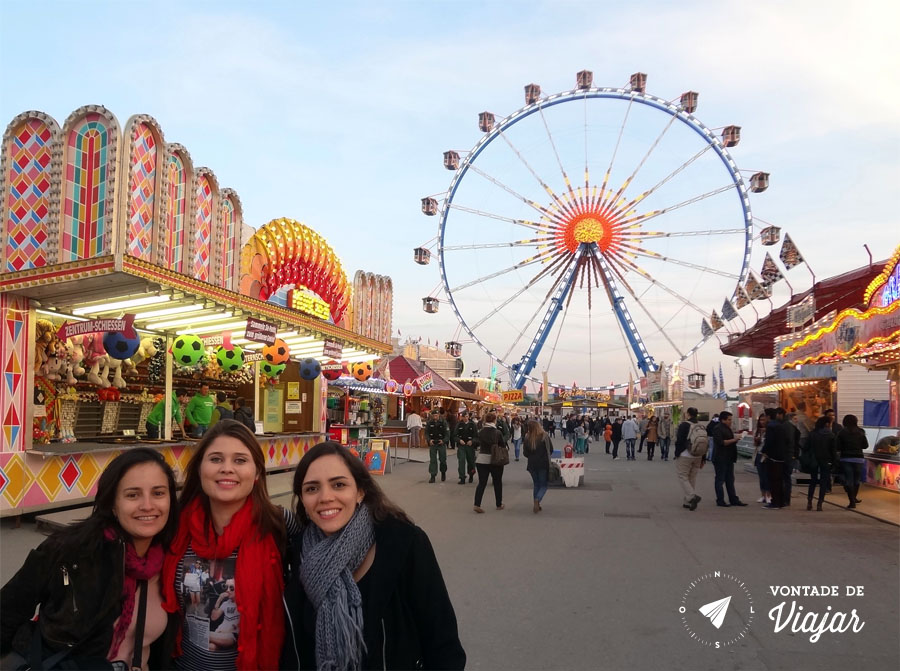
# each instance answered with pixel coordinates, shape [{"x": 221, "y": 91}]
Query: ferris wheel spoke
[
  {"x": 666, "y": 179},
  {"x": 518, "y": 293},
  {"x": 647, "y": 254},
  {"x": 606, "y": 207},
  {"x": 647, "y": 276},
  {"x": 541, "y": 308},
  {"x": 680, "y": 234},
  {"x": 537, "y": 258},
  {"x": 650, "y": 316},
  {"x": 518, "y": 222},
  {"x": 536, "y": 206},
  {"x": 634, "y": 222},
  {"x": 612, "y": 161},
  {"x": 564, "y": 206},
  {"x": 568, "y": 183},
  {"x": 533, "y": 242}
]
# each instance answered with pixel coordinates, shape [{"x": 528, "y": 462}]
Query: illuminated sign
[
  {"x": 513, "y": 396},
  {"x": 308, "y": 304},
  {"x": 890, "y": 292}
]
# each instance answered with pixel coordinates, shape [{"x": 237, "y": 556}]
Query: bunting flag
[
  {"x": 706, "y": 329},
  {"x": 770, "y": 273},
  {"x": 715, "y": 386},
  {"x": 755, "y": 290},
  {"x": 790, "y": 255},
  {"x": 715, "y": 321},
  {"x": 721, "y": 381},
  {"x": 728, "y": 311},
  {"x": 741, "y": 299}
]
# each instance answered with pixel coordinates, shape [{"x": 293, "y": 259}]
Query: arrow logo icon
[{"x": 716, "y": 610}]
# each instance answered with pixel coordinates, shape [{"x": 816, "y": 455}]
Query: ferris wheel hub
[{"x": 588, "y": 227}]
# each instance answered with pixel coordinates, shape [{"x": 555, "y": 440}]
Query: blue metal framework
[{"x": 520, "y": 371}]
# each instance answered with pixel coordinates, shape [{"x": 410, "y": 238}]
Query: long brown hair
[
  {"x": 534, "y": 432},
  {"x": 379, "y": 504},
  {"x": 267, "y": 518}
]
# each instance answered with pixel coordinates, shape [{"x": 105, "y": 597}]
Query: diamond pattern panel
[
  {"x": 27, "y": 202},
  {"x": 228, "y": 269},
  {"x": 176, "y": 183},
  {"x": 86, "y": 178},
  {"x": 14, "y": 352},
  {"x": 69, "y": 474},
  {"x": 18, "y": 478},
  {"x": 144, "y": 153},
  {"x": 202, "y": 238},
  {"x": 90, "y": 473}
]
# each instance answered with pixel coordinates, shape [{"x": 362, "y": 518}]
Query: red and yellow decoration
[{"x": 286, "y": 252}]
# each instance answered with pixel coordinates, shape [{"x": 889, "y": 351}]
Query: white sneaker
[
  {"x": 768, "y": 499},
  {"x": 761, "y": 499}
]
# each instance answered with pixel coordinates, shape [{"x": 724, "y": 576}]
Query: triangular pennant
[
  {"x": 790, "y": 256},
  {"x": 770, "y": 273}
]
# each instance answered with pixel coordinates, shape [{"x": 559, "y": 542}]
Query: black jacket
[
  {"x": 617, "y": 431},
  {"x": 466, "y": 431},
  {"x": 408, "y": 620},
  {"x": 488, "y": 437},
  {"x": 723, "y": 453},
  {"x": 245, "y": 417},
  {"x": 538, "y": 455},
  {"x": 80, "y": 597},
  {"x": 823, "y": 444},
  {"x": 777, "y": 446},
  {"x": 851, "y": 443}
]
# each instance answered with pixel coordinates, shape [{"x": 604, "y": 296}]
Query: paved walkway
[{"x": 595, "y": 581}]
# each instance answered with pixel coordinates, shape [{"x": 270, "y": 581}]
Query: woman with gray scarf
[{"x": 365, "y": 589}]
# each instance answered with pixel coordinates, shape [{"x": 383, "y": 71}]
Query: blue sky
[{"x": 337, "y": 114}]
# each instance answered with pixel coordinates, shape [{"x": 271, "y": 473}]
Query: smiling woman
[
  {"x": 223, "y": 572},
  {"x": 365, "y": 589},
  {"x": 93, "y": 580}
]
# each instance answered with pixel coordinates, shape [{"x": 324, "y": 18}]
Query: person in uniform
[
  {"x": 438, "y": 434},
  {"x": 466, "y": 431}
]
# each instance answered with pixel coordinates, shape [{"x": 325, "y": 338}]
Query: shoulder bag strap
[{"x": 137, "y": 660}]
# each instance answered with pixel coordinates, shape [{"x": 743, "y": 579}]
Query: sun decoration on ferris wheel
[{"x": 649, "y": 265}]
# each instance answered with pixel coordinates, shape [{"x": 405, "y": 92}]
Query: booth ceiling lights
[
  {"x": 189, "y": 321},
  {"x": 121, "y": 305}
]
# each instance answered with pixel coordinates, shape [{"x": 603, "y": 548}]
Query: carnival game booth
[
  {"x": 357, "y": 409},
  {"x": 861, "y": 340},
  {"x": 123, "y": 278}
]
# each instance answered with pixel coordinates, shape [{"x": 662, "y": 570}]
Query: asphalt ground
[{"x": 596, "y": 580}]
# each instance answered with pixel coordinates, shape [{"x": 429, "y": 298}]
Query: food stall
[
  {"x": 122, "y": 279},
  {"x": 868, "y": 337}
]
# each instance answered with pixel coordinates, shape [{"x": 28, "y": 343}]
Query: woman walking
[
  {"x": 652, "y": 436},
  {"x": 365, "y": 589},
  {"x": 537, "y": 450},
  {"x": 489, "y": 437},
  {"x": 95, "y": 580},
  {"x": 762, "y": 471},
  {"x": 228, "y": 525},
  {"x": 851, "y": 442},
  {"x": 517, "y": 434},
  {"x": 616, "y": 437},
  {"x": 823, "y": 445}
]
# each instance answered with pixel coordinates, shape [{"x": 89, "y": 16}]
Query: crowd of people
[{"x": 221, "y": 578}]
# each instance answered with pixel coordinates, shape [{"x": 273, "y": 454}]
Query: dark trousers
[
  {"x": 821, "y": 475},
  {"x": 664, "y": 448},
  {"x": 153, "y": 431},
  {"x": 496, "y": 473},
  {"x": 607, "y": 446},
  {"x": 788, "y": 467},
  {"x": 650, "y": 447},
  {"x": 616, "y": 447},
  {"x": 725, "y": 476},
  {"x": 776, "y": 481}
]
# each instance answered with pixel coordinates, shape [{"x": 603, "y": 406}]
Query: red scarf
[
  {"x": 259, "y": 583},
  {"x": 136, "y": 568}
]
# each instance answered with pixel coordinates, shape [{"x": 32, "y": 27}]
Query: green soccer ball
[
  {"x": 188, "y": 350},
  {"x": 230, "y": 360},
  {"x": 271, "y": 369}
]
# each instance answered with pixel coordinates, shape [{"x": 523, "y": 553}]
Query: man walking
[
  {"x": 616, "y": 437},
  {"x": 724, "y": 458},
  {"x": 686, "y": 464},
  {"x": 414, "y": 426},
  {"x": 644, "y": 424},
  {"x": 774, "y": 455},
  {"x": 466, "y": 430},
  {"x": 665, "y": 434},
  {"x": 630, "y": 431},
  {"x": 438, "y": 434}
]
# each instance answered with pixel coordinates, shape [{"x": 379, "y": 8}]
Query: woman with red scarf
[
  {"x": 229, "y": 545},
  {"x": 98, "y": 582}
]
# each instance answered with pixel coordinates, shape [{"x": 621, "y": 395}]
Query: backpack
[{"x": 698, "y": 441}]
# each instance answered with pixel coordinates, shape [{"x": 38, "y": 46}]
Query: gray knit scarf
[{"x": 327, "y": 577}]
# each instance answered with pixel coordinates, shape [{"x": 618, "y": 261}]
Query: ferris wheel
[{"x": 590, "y": 224}]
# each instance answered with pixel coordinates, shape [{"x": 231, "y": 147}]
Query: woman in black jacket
[
  {"x": 823, "y": 445},
  {"x": 365, "y": 589},
  {"x": 851, "y": 442},
  {"x": 87, "y": 578},
  {"x": 488, "y": 437},
  {"x": 537, "y": 450}
]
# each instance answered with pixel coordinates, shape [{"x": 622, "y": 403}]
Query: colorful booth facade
[{"x": 109, "y": 224}]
